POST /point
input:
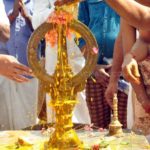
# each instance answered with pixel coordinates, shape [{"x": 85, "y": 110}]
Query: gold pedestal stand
[
  {"x": 63, "y": 85},
  {"x": 115, "y": 127}
]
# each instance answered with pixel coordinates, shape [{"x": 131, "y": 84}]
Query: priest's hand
[
  {"x": 130, "y": 69},
  {"x": 12, "y": 69}
]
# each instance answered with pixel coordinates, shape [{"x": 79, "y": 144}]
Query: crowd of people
[{"x": 121, "y": 29}]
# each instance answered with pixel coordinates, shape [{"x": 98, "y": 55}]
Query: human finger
[
  {"x": 19, "y": 78},
  {"x": 13, "y": 78},
  {"x": 23, "y": 68},
  {"x": 22, "y": 72}
]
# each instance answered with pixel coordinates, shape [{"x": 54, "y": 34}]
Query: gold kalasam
[{"x": 63, "y": 85}]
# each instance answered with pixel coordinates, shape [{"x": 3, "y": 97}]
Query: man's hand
[
  {"x": 130, "y": 69},
  {"x": 16, "y": 8},
  {"x": 101, "y": 75},
  {"x": 109, "y": 93},
  {"x": 25, "y": 15},
  {"x": 12, "y": 69},
  {"x": 23, "y": 11}
]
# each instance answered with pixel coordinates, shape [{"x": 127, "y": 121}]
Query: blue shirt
[
  {"x": 104, "y": 24},
  {"x": 19, "y": 34}
]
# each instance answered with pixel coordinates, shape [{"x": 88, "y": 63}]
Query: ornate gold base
[
  {"x": 115, "y": 129},
  {"x": 69, "y": 140}
]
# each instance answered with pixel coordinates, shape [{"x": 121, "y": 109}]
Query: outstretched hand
[{"x": 12, "y": 69}]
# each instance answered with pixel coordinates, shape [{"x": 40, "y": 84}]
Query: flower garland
[{"x": 59, "y": 17}]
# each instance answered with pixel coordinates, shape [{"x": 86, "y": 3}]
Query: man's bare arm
[
  {"x": 134, "y": 13},
  {"x": 123, "y": 44},
  {"x": 115, "y": 70},
  {"x": 117, "y": 59}
]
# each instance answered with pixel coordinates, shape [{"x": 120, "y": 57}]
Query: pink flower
[{"x": 95, "y": 50}]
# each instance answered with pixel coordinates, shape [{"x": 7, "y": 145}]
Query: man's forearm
[
  {"x": 134, "y": 13},
  {"x": 4, "y": 33},
  {"x": 117, "y": 59}
]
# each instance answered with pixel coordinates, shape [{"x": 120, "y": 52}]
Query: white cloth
[
  {"x": 3, "y": 16},
  {"x": 18, "y": 101},
  {"x": 18, "y": 104},
  {"x": 130, "y": 115},
  {"x": 42, "y": 10}
]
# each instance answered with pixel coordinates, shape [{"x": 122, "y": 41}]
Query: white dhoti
[{"x": 18, "y": 104}]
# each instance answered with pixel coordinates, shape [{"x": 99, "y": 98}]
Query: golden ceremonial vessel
[
  {"x": 115, "y": 127},
  {"x": 63, "y": 85}
]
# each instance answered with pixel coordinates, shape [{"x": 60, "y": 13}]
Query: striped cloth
[{"x": 99, "y": 110}]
